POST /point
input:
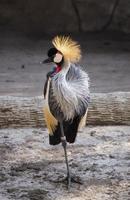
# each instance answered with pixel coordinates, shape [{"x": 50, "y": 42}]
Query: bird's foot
[
  {"x": 76, "y": 179},
  {"x": 73, "y": 179},
  {"x": 68, "y": 180}
]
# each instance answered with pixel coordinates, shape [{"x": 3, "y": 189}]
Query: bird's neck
[{"x": 64, "y": 69}]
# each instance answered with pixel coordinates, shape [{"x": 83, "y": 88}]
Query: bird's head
[
  {"x": 64, "y": 50},
  {"x": 54, "y": 56}
]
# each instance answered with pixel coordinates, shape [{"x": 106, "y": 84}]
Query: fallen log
[{"x": 104, "y": 109}]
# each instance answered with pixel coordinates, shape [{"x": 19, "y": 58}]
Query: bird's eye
[{"x": 58, "y": 58}]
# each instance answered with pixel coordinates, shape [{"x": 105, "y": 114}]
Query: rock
[
  {"x": 49, "y": 17},
  {"x": 92, "y": 133},
  {"x": 94, "y": 14},
  {"x": 3, "y": 177},
  {"x": 39, "y": 16},
  {"x": 121, "y": 18},
  {"x": 11, "y": 190},
  {"x": 22, "y": 66},
  {"x": 111, "y": 156}
]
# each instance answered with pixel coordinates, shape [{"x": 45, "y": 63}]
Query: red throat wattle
[{"x": 58, "y": 69}]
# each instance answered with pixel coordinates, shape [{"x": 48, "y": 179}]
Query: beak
[{"x": 48, "y": 60}]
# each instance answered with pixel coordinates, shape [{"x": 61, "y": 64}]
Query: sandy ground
[
  {"x": 31, "y": 169},
  {"x": 106, "y": 58}
]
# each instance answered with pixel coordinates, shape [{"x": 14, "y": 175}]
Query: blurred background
[{"x": 27, "y": 27}]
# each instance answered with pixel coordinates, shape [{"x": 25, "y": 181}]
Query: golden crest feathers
[{"x": 69, "y": 48}]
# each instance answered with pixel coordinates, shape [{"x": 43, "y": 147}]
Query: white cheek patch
[{"x": 58, "y": 58}]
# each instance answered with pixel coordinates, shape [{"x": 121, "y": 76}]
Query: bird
[{"x": 66, "y": 94}]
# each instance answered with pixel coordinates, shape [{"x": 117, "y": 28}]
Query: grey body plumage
[{"x": 69, "y": 93}]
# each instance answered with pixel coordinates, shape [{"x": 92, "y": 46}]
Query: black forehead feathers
[{"x": 52, "y": 52}]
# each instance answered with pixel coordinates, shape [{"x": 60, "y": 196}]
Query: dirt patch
[{"x": 31, "y": 169}]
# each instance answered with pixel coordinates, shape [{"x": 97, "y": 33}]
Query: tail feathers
[{"x": 70, "y": 131}]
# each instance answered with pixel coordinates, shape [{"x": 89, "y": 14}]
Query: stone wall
[{"x": 51, "y": 16}]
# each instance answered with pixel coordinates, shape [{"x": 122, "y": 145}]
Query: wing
[
  {"x": 45, "y": 88},
  {"x": 49, "y": 74},
  {"x": 70, "y": 130},
  {"x": 50, "y": 120}
]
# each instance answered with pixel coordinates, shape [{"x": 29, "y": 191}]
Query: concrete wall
[{"x": 50, "y": 16}]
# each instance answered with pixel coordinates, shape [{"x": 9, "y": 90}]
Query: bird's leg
[{"x": 64, "y": 144}]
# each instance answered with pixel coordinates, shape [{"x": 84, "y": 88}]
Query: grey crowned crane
[{"x": 66, "y": 94}]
